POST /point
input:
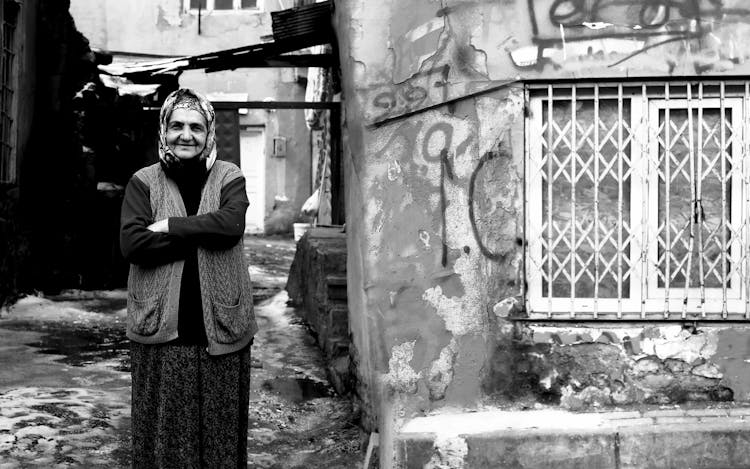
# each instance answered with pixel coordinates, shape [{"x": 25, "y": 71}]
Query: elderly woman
[{"x": 190, "y": 310}]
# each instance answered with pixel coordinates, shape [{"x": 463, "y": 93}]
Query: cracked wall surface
[
  {"x": 163, "y": 27},
  {"x": 588, "y": 367}
]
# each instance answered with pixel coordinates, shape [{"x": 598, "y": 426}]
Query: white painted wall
[{"x": 166, "y": 27}]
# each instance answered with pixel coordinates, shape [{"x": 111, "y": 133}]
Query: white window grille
[
  {"x": 636, "y": 201},
  {"x": 9, "y": 10},
  {"x": 220, "y": 5}
]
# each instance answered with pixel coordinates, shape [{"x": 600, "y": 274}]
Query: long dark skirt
[{"x": 189, "y": 409}]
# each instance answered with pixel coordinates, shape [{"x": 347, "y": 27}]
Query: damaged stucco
[
  {"x": 449, "y": 453},
  {"x": 437, "y": 255},
  {"x": 593, "y": 367},
  {"x": 401, "y": 377},
  {"x": 174, "y": 27},
  {"x": 441, "y": 371}
]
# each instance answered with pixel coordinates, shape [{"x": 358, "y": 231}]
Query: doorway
[{"x": 253, "y": 165}]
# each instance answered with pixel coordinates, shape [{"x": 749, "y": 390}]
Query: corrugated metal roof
[
  {"x": 293, "y": 29},
  {"x": 306, "y": 24}
]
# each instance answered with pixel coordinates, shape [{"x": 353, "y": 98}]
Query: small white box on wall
[{"x": 279, "y": 147}]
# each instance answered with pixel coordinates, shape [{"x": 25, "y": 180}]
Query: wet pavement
[{"x": 65, "y": 381}]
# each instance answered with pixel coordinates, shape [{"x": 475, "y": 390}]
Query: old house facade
[
  {"x": 47, "y": 195},
  {"x": 17, "y": 72},
  {"x": 547, "y": 218}
]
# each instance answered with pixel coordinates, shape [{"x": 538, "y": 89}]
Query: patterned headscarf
[{"x": 187, "y": 99}]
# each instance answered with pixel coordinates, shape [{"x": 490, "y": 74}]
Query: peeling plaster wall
[
  {"x": 163, "y": 27},
  {"x": 364, "y": 355},
  {"x": 435, "y": 187},
  {"x": 591, "y": 366},
  {"x": 437, "y": 244},
  {"x": 439, "y": 50}
]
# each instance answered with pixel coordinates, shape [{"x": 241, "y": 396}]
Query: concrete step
[
  {"x": 661, "y": 438},
  {"x": 338, "y": 280},
  {"x": 336, "y": 287},
  {"x": 338, "y": 320}
]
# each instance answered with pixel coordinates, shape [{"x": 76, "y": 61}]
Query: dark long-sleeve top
[{"x": 221, "y": 229}]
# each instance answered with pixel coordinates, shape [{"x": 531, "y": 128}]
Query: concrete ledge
[
  {"x": 317, "y": 283},
  {"x": 701, "y": 438},
  {"x": 572, "y": 451}
]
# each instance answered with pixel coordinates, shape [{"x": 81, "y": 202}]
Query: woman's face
[{"x": 186, "y": 133}]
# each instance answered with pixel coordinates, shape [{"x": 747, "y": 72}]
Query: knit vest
[{"x": 226, "y": 290}]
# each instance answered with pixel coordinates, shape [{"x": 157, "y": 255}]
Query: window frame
[
  {"x": 713, "y": 296},
  {"x": 8, "y": 89},
  {"x": 209, "y": 7},
  {"x": 644, "y": 299}
]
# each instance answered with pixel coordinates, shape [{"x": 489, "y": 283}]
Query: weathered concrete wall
[
  {"x": 595, "y": 367},
  {"x": 432, "y": 51},
  {"x": 163, "y": 27},
  {"x": 436, "y": 202},
  {"x": 443, "y": 212},
  {"x": 13, "y": 241},
  {"x": 288, "y": 176}
]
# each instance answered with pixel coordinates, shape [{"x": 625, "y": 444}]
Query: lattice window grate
[{"x": 636, "y": 201}]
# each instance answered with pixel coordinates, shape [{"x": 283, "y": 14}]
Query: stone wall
[
  {"x": 590, "y": 367},
  {"x": 317, "y": 285}
]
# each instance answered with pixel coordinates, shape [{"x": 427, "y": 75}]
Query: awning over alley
[{"x": 294, "y": 31}]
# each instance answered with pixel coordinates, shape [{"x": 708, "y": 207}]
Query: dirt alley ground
[{"x": 65, "y": 381}]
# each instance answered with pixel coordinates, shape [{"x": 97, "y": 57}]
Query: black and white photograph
[{"x": 347, "y": 234}]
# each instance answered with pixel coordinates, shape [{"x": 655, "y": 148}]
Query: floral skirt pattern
[{"x": 189, "y": 409}]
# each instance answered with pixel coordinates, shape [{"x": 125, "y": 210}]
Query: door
[{"x": 253, "y": 165}]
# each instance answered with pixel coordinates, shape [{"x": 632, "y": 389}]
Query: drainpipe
[{"x": 200, "y": 11}]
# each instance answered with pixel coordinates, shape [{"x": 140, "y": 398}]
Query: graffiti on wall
[
  {"x": 430, "y": 61},
  {"x": 422, "y": 89},
  {"x": 418, "y": 148},
  {"x": 442, "y": 54},
  {"x": 576, "y": 34}
]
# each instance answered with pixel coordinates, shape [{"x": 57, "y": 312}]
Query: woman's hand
[{"x": 161, "y": 226}]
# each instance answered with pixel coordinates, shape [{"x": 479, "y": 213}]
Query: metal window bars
[
  {"x": 7, "y": 56},
  {"x": 636, "y": 200}
]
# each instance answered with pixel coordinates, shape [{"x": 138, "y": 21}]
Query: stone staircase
[{"x": 317, "y": 284}]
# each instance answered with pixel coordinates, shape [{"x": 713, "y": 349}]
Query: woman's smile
[{"x": 186, "y": 133}]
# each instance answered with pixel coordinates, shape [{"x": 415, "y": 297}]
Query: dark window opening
[
  {"x": 7, "y": 89},
  {"x": 223, "y": 4}
]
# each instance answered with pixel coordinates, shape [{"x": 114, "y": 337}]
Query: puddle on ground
[
  {"x": 297, "y": 390},
  {"x": 262, "y": 293},
  {"x": 80, "y": 346},
  {"x": 102, "y": 305}
]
